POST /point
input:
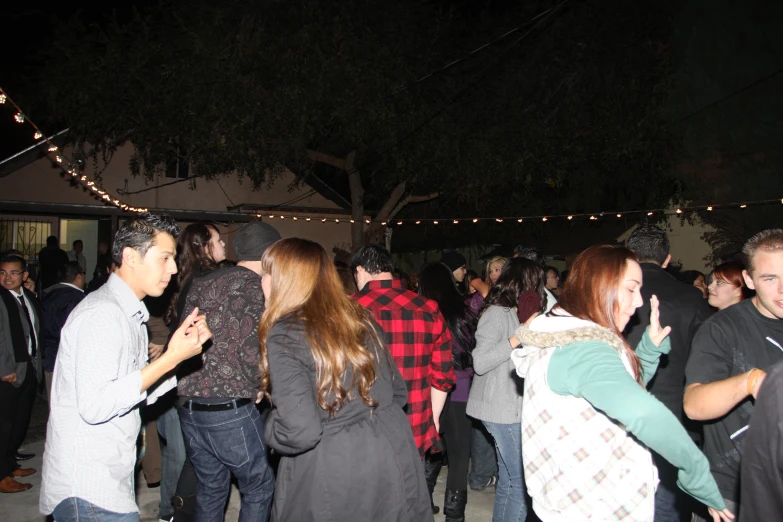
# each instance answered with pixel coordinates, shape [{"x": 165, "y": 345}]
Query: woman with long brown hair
[
  {"x": 587, "y": 419},
  {"x": 337, "y": 396}
]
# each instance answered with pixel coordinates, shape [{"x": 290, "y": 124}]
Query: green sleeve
[
  {"x": 650, "y": 355},
  {"x": 593, "y": 371}
]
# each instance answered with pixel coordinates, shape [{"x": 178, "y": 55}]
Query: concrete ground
[{"x": 23, "y": 507}]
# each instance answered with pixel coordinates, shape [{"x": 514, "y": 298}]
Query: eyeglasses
[{"x": 14, "y": 273}]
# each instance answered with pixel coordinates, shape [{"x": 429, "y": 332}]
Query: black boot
[
  {"x": 432, "y": 465},
  {"x": 454, "y": 505}
]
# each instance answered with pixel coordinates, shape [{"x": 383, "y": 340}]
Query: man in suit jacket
[
  {"x": 20, "y": 368},
  {"x": 684, "y": 308}
]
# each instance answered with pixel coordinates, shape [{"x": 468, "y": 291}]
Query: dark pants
[
  {"x": 483, "y": 458},
  {"x": 224, "y": 443},
  {"x": 671, "y": 504},
  {"x": 16, "y": 404},
  {"x": 457, "y": 428}
]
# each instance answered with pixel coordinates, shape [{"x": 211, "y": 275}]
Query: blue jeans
[
  {"x": 510, "y": 503},
  {"x": 483, "y": 460},
  {"x": 222, "y": 443},
  {"x": 172, "y": 459},
  {"x": 74, "y": 509}
]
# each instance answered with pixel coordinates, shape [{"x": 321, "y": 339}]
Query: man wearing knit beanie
[
  {"x": 217, "y": 399},
  {"x": 456, "y": 263}
]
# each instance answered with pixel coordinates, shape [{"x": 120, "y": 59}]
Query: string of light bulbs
[
  {"x": 592, "y": 216},
  {"x": 56, "y": 155},
  {"x": 77, "y": 174}
]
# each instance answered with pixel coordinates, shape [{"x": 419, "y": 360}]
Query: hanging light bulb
[
  {"x": 498, "y": 220},
  {"x": 282, "y": 217},
  {"x": 475, "y": 220},
  {"x": 295, "y": 218},
  {"x": 37, "y": 135},
  {"x": 307, "y": 219},
  {"x": 3, "y": 98},
  {"x": 456, "y": 221},
  {"x": 619, "y": 215},
  {"x": 743, "y": 206},
  {"x": 383, "y": 224},
  {"x": 323, "y": 220},
  {"x": 19, "y": 117},
  {"x": 435, "y": 222},
  {"x": 569, "y": 218},
  {"x": 679, "y": 211},
  {"x": 710, "y": 207},
  {"x": 52, "y": 147},
  {"x": 545, "y": 219},
  {"x": 418, "y": 222},
  {"x": 58, "y": 158},
  {"x": 352, "y": 221},
  {"x": 519, "y": 220},
  {"x": 271, "y": 216},
  {"x": 399, "y": 222},
  {"x": 649, "y": 213},
  {"x": 336, "y": 220}
]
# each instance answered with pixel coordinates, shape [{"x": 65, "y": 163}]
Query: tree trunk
[
  {"x": 393, "y": 205},
  {"x": 357, "y": 202}
]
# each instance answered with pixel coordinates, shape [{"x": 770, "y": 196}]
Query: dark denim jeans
[
  {"x": 172, "y": 459},
  {"x": 483, "y": 460},
  {"x": 510, "y": 503},
  {"x": 671, "y": 504},
  {"x": 74, "y": 509},
  {"x": 222, "y": 443}
]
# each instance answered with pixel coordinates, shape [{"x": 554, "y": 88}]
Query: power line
[
  {"x": 724, "y": 98},
  {"x": 463, "y": 59},
  {"x": 454, "y": 97}
]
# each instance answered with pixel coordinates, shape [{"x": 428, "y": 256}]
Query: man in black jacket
[
  {"x": 684, "y": 309},
  {"x": 20, "y": 369},
  {"x": 51, "y": 258},
  {"x": 57, "y": 303}
]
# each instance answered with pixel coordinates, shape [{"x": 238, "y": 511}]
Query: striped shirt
[{"x": 93, "y": 425}]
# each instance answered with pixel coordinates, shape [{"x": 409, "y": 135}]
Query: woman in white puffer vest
[{"x": 587, "y": 419}]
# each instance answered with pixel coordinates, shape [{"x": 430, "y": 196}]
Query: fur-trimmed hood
[{"x": 558, "y": 330}]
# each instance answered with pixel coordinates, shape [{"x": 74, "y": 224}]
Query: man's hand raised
[{"x": 187, "y": 341}]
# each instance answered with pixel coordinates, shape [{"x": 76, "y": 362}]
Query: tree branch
[
  {"x": 411, "y": 199},
  {"x": 322, "y": 157}
]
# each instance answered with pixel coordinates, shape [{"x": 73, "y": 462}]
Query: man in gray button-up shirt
[{"x": 102, "y": 374}]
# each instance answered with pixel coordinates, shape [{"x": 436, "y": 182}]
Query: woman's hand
[
  {"x": 657, "y": 334},
  {"x": 721, "y": 516}
]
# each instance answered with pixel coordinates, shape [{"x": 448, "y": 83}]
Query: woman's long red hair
[
  {"x": 591, "y": 290},
  {"x": 306, "y": 286}
]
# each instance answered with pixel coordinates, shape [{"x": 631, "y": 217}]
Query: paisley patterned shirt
[{"x": 233, "y": 302}]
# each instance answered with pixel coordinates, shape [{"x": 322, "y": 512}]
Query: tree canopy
[{"x": 567, "y": 118}]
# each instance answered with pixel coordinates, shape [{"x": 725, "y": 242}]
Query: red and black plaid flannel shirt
[{"x": 419, "y": 340}]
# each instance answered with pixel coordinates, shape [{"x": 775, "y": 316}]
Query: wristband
[{"x": 754, "y": 373}]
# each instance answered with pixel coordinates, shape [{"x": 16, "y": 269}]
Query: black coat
[
  {"x": 360, "y": 465},
  {"x": 57, "y": 302},
  {"x": 684, "y": 308}
]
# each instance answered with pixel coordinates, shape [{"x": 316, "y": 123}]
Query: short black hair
[
  {"x": 139, "y": 233},
  {"x": 530, "y": 253},
  {"x": 373, "y": 258},
  {"x": 68, "y": 272},
  {"x": 650, "y": 243},
  {"x": 78, "y": 241},
  {"x": 15, "y": 259},
  {"x": 52, "y": 241},
  {"x": 553, "y": 269}
]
